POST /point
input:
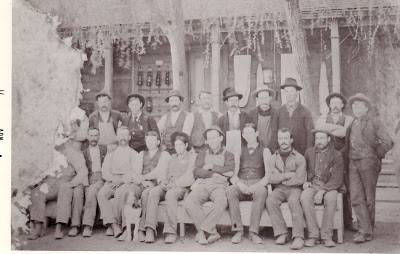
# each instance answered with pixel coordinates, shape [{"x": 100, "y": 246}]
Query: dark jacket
[
  {"x": 254, "y": 119},
  {"x": 300, "y": 125},
  {"x": 96, "y": 176},
  {"x": 332, "y": 174},
  {"x": 94, "y": 119},
  {"x": 244, "y": 117},
  {"x": 374, "y": 134}
]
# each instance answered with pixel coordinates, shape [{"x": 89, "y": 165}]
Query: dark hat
[
  {"x": 263, "y": 88},
  {"x": 230, "y": 92},
  {"x": 291, "y": 82},
  {"x": 103, "y": 93},
  {"x": 339, "y": 95},
  {"x": 360, "y": 97},
  {"x": 180, "y": 133},
  {"x": 213, "y": 127},
  {"x": 174, "y": 93},
  {"x": 136, "y": 95},
  {"x": 319, "y": 129}
]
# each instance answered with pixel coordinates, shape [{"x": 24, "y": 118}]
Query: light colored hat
[
  {"x": 174, "y": 93},
  {"x": 263, "y": 88},
  {"x": 360, "y": 97}
]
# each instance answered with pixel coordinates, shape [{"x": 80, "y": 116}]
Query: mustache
[{"x": 283, "y": 144}]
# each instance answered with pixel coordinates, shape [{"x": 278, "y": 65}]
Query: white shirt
[
  {"x": 207, "y": 117},
  {"x": 94, "y": 152},
  {"x": 234, "y": 117}
]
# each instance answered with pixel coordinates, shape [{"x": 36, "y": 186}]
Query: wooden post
[
  {"x": 109, "y": 71},
  {"x": 215, "y": 66},
  {"x": 134, "y": 74},
  {"x": 335, "y": 56}
]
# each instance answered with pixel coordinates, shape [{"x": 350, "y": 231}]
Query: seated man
[
  {"x": 249, "y": 183},
  {"x": 94, "y": 156},
  {"x": 173, "y": 186},
  {"x": 67, "y": 189},
  {"x": 122, "y": 172},
  {"x": 287, "y": 174},
  {"x": 324, "y": 178},
  {"x": 214, "y": 166}
]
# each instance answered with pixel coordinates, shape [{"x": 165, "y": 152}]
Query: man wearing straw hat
[{"x": 367, "y": 142}]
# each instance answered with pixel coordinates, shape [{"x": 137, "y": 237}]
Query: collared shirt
[
  {"x": 234, "y": 122},
  {"x": 136, "y": 117},
  {"x": 187, "y": 126},
  {"x": 207, "y": 117},
  {"x": 94, "y": 152},
  {"x": 252, "y": 148},
  {"x": 152, "y": 152},
  {"x": 291, "y": 107}
]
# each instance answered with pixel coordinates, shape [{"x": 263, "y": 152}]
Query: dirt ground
[{"x": 386, "y": 240}]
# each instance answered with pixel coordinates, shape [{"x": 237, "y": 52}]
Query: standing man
[
  {"x": 213, "y": 168},
  {"x": 294, "y": 116},
  {"x": 324, "y": 178},
  {"x": 122, "y": 170},
  {"x": 204, "y": 118},
  {"x": 105, "y": 119},
  {"x": 175, "y": 120},
  {"x": 367, "y": 142},
  {"x": 249, "y": 183},
  {"x": 94, "y": 156},
  {"x": 287, "y": 174},
  {"x": 138, "y": 122},
  {"x": 263, "y": 114},
  {"x": 337, "y": 123}
]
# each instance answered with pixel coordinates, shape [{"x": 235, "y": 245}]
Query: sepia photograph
[{"x": 202, "y": 126}]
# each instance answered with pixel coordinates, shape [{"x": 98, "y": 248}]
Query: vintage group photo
[{"x": 206, "y": 125}]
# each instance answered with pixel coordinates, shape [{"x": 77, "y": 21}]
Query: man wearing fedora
[
  {"x": 138, "y": 122},
  {"x": 105, "y": 119},
  {"x": 367, "y": 142},
  {"x": 213, "y": 169},
  {"x": 175, "y": 120},
  {"x": 324, "y": 178},
  {"x": 249, "y": 183},
  {"x": 294, "y": 116},
  {"x": 337, "y": 123},
  {"x": 204, "y": 117},
  {"x": 262, "y": 115}
]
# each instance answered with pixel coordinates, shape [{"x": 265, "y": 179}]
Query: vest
[
  {"x": 359, "y": 149},
  {"x": 197, "y": 137},
  {"x": 264, "y": 127},
  {"x": 169, "y": 128},
  {"x": 252, "y": 165},
  {"x": 150, "y": 163},
  {"x": 138, "y": 130},
  {"x": 338, "y": 142}
]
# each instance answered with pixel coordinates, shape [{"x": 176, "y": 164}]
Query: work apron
[{"x": 107, "y": 133}]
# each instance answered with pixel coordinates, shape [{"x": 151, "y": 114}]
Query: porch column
[
  {"x": 215, "y": 65},
  {"x": 108, "y": 72},
  {"x": 335, "y": 56}
]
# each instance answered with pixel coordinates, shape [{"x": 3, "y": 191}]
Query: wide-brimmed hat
[
  {"x": 320, "y": 129},
  {"x": 339, "y": 95},
  {"x": 180, "y": 133},
  {"x": 291, "y": 82},
  {"x": 103, "y": 93},
  {"x": 359, "y": 97},
  {"x": 136, "y": 95},
  {"x": 261, "y": 89},
  {"x": 215, "y": 128},
  {"x": 174, "y": 93},
  {"x": 230, "y": 92}
]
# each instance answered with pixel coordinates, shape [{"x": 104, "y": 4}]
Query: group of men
[{"x": 188, "y": 156}]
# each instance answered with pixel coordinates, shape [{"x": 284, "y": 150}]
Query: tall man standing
[
  {"x": 105, "y": 119},
  {"x": 336, "y": 122},
  {"x": 213, "y": 168},
  {"x": 287, "y": 173},
  {"x": 138, "y": 122},
  {"x": 249, "y": 183},
  {"x": 294, "y": 116},
  {"x": 175, "y": 120},
  {"x": 204, "y": 118},
  {"x": 262, "y": 115},
  {"x": 367, "y": 142},
  {"x": 324, "y": 178}
]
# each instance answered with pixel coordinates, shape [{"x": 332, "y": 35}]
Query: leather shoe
[
  {"x": 282, "y": 239},
  {"x": 124, "y": 236},
  {"x": 110, "y": 231},
  {"x": 310, "y": 242},
  {"x": 351, "y": 226},
  {"x": 255, "y": 238},
  {"x": 297, "y": 244},
  {"x": 171, "y": 238},
  {"x": 87, "y": 231},
  {"x": 213, "y": 238},
  {"x": 201, "y": 238},
  {"x": 59, "y": 233},
  {"x": 237, "y": 238},
  {"x": 329, "y": 243},
  {"x": 116, "y": 229},
  {"x": 361, "y": 237},
  {"x": 149, "y": 235},
  {"x": 74, "y": 231}
]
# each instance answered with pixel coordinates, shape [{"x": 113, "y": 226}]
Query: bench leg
[
  {"x": 182, "y": 229},
  {"x": 340, "y": 235}
]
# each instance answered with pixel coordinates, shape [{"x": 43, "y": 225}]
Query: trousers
[
  {"x": 363, "y": 176},
  {"x": 90, "y": 208},
  {"x": 197, "y": 197},
  {"x": 69, "y": 201},
  {"x": 291, "y": 194},
  {"x": 234, "y": 195},
  {"x": 329, "y": 201}
]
